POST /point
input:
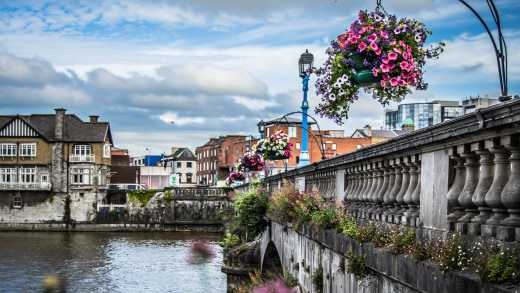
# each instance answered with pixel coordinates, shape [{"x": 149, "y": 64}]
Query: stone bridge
[{"x": 462, "y": 175}]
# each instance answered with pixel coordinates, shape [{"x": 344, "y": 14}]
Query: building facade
[
  {"x": 471, "y": 104},
  {"x": 217, "y": 157},
  {"x": 422, "y": 114},
  {"x": 183, "y": 165},
  {"x": 321, "y": 144},
  {"x": 53, "y": 167}
]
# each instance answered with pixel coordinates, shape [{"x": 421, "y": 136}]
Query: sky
[{"x": 216, "y": 67}]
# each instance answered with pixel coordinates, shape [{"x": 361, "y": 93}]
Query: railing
[
  {"x": 82, "y": 158},
  {"x": 25, "y": 186},
  {"x": 462, "y": 175}
]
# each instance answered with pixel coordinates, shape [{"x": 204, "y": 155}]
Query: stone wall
[{"x": 305, "y": 251}]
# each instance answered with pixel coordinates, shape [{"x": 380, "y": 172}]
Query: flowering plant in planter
[
  {"x": 377, "y": 51},
  {"x": 251, "y": 161},
  {"x": 274, "y": 147},
  {"x": 234, "y": 177}
]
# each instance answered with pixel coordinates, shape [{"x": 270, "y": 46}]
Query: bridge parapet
[{"x": 462, "y": 175}]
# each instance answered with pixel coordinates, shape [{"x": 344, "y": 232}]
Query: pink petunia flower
[
  {"x": 383, "y": 34},
  {"x": 383, "y": 83},
  {"x": 392, "y": 56},
  {"x": 384, "y": 67},
  {"x": 375, "y": 71},
  {"x": 397, "y": 50},
  {"x": 374, "y": 46},
  {"x": 362, "y": 46},
  {"x": 404, "y": 65},
  {"x": 394, "y": 81},
  {"x": 385, "y": 60},
  {"x": 378, "y": 51},
  {"x": 372, "y": 38}
]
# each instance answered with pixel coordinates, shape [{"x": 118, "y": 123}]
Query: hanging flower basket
[
  {"x": 235, "y": 177},
  {"x": 377, "y": 52},
  {"x": 251, "y": 161},
  {"x": 274, "y": 147}
]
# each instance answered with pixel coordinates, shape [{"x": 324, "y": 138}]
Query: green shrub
[
  {"x": 325, "y": 217},
  {"x": 356, "y": 265},
  {"x": 348, "y": 226},
  {"x": 401, "y": 241},
  {"x": 250, "y": 208},
  {"x": 317, "y": 279},
  {"x": 230, "y": 241},
  {"x": 168, "y": 197},
  {"x": 500, "y": 266},
  {"x": 451, "y": 254},
  {"x": 140, "y": 197}
]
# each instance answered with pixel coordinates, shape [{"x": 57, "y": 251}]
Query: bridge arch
[{"x": 272, "y": 262}]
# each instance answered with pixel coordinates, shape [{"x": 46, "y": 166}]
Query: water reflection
[{"x": 111, "y": 262}]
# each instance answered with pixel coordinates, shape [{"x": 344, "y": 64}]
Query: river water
[{"x": 110, "y": 262}]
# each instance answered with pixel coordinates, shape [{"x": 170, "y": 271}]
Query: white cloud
[{"x": 174, "y": 118}]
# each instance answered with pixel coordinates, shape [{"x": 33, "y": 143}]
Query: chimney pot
[{"x": 93, "y": 118}]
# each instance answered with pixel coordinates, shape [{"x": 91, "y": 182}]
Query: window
[
  {"x": 292, "y": 131},
  {"x": 8, "y": 149},
  {"x": 189, "y": 177},
  {"x": 8, "y": 175},
  {"x": 179, "y": 176},
  {"x": 44, "y": 178},
  {"x": 28, "y": 150},
  {"x": 82, "y": 150},
  {"x": 179, "y": 164},
  {"x": 188, "y": 164},
  {"x": 106, "y": 150},
  {"x": 333, "y": 146},
  {"x": 17, "y": 202},
  {"x": 80, "y": 176},
  {"x": 27, "y": 175},
  {"x": 298, "y": 146}
]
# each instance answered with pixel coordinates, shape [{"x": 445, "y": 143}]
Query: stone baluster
[
  {"x": 411, "y": 163},
  {"x": 348, "y": 184},
  {"x": 416, "y": 194},
  {"x": 510, "y": 196},
  {"x": 454, "y": 209},
  {"x": 366, "y": 186},
  {"x": 401, "y": 206},
  {"x": 500, "y": 178},
  {"x": 353, "y": 184},
  {"x": 470, "y": 184},
  {"x": 358, "y": 184},
  {"x": 387, "y": 195},
  {"x": 398, "y": 175},
  {"x": 380, "y": 192},
  {"x": 484, "y": 183},
  {"x": 373, "y": 186}
]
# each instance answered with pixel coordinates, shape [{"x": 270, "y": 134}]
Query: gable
[{"x": 18, "y": 128}]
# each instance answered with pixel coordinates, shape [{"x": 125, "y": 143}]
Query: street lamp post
[{"x": 305, "y": 65}]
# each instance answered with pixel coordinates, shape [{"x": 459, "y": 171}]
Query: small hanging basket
[{"x": 276, "y": 157}]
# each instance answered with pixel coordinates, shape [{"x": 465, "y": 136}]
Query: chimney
[
  {"x": 93, "y": 118},
  {"x": 59, "y": 123}
]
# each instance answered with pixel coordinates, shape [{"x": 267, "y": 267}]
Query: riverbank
[{"x": 120, "y": 227}]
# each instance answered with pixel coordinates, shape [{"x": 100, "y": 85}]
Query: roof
[
  {"x": 379, "y": 133},
  {"x": 74, "y": 130},
  {"x": 184, "y": 154}
]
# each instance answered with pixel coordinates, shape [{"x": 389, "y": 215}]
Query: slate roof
[{"x": 75, "y": 130}]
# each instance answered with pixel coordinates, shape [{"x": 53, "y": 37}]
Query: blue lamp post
[{"x": 305, "y": 65}]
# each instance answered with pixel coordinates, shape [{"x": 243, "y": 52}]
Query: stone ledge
[{"x": 89, "y": 227}]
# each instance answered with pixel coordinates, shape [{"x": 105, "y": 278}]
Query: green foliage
[
  {"x": 326, "y": 217},
  {"x": 317, "y": 279},
  {"x": 348, "y": 226},
  {"x": 401, "y": 241},
  {"x": 282, "y": 203},
  {"x": 230, "y": 241},
  {"x": 356, "y": 265},
  {"x": 140, "y": 197},
  {"x": 499, "y": 265},
  {"x": 168, "y": 197},
  {"x": 451, "y": 254},
  {"x": 250, "y": 208},
  {"x": 289, "y": 280}
]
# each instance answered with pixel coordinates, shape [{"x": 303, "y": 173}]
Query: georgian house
[{"x": 53, "y": 167}]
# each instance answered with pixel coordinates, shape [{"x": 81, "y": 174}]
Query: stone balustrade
[{"x": 462, "y": 175}]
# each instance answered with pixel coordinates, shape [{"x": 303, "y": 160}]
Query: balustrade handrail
[
  {"x": 448, "y": 132},
  {"x": 25, "y": 186},
  {"x": 82, "y": 158}
]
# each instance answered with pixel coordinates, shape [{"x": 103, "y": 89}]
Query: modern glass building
[{"x": 422, "y": 114}]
